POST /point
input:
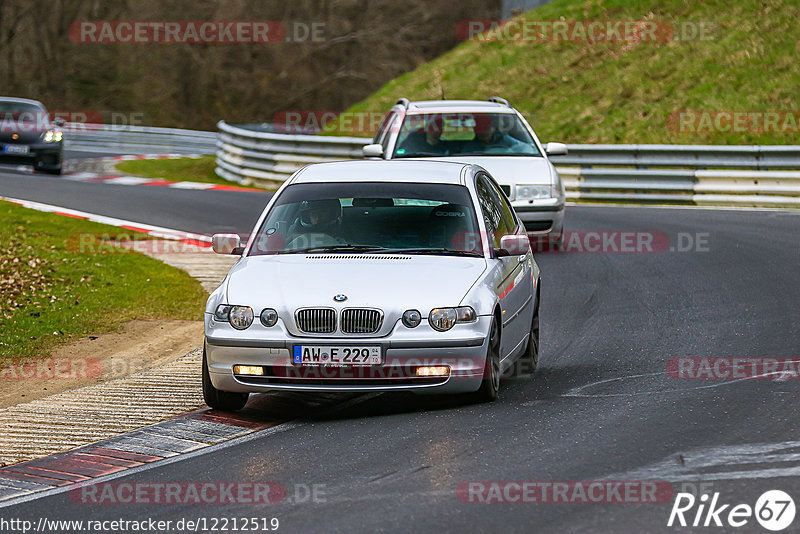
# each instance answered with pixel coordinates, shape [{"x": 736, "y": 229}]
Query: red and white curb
[
  {"x": 187, "y": 436},
  {"x": 121, "y": 179},
  {"x": 153, "y": 231},
  {"x": 128, "y": 157}
]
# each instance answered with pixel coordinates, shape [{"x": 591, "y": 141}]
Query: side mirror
[
  {"x": 513, "y": 245},
  {"x": 60, "y": 122},
  {"x": 372, "y": 151},
  {"x": 226, "y": 244},
  {"x": 555, "y": 149}
]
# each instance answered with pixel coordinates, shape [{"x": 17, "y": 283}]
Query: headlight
[
  {"x": 221, "y": 314},
  {"x": 531, "y": 192},
  {"x": 443, "y": 319},
  {"x": 412, "y": 318},
  {"x": 240, "y": 317},
  {"x": 269, "y": 317},
  {"x": 51, "y": 136}
]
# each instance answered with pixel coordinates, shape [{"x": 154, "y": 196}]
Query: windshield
[
  {"x": 22, "y": 117},
  {"x": 464, "y": 134},
  {"x": 371, "y": 217}
]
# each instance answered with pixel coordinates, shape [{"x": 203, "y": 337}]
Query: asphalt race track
[{"x": 601, "y": 407}]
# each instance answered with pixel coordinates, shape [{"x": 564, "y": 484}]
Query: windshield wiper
[
  {"x": 336, "y": 248},
  {"x": 423, "y": 155},
  {"x": 433, "y": 251}
]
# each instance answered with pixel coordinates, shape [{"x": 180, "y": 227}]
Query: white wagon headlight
[{"x": 532, "y": 192}]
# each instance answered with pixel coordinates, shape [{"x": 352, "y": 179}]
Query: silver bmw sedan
[{"x": 375, "y": 276}]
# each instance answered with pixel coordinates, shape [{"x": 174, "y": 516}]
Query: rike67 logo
[{"x": 774, "y": 510}]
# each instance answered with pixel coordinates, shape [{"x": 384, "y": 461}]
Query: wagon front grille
[
  {"x": 361, "y": 320},
  {"x": 316, "y": 320}
]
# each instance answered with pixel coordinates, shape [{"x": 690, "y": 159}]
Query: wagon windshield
[
  {"x": 464, "y": 134},
  {"x": 371, "y": 217}
]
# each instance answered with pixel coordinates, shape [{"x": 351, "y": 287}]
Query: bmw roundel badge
[{"x": 340, "y": 298}]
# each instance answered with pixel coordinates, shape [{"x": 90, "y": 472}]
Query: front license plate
[
  {"x": 16, "y": 149},
  {"x": 337, "y": 356}
]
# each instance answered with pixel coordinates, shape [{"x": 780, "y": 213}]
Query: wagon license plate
[
  {"x": 16, "y": 149},
  {"x": 338, "y": 355}
]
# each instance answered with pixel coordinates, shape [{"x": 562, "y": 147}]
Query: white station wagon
[
  {"x": 375, "y": 276},
  {"x": 491, "y": 134}
]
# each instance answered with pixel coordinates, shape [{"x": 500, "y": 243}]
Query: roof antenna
[{"x": 442, "y": 88}]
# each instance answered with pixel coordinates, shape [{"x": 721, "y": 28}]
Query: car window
[
  {"x": 371, "y": 217},
  {"x": 492, "y": 208},
  {"x": 508, "y": 213},
  {"x": 465, "y": 134}
]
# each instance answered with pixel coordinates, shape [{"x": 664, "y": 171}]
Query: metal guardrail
[
  {"x": 107, "y": 138},
  {"x": 747, "y": 175},
  {"x": 754, "y": 157},
  {"x": 267, "y": 159}
]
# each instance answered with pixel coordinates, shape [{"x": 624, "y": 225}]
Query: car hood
[
  {"x": 25, "y": 136},
  {"x": 511, "y": 170},
  {"x": 389, "y": 282}
]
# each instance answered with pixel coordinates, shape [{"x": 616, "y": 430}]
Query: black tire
[
  {"x": 491, "y": 372},
  {"x": 558, "y": 244},
  {"x": 531, "y": 356},
  {"x": 221, "y": 400},
  {"x": 56, "y": 171}
]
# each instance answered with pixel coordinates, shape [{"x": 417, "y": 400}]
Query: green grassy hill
[{"x": 627, "y": 92}]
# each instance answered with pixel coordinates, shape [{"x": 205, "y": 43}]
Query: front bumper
[
  {"x": 42, "y": 156},
  {"x": 541, "y": 217},
  {"x": 462, "y": 349}
]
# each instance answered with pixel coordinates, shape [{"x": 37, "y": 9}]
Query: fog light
[
  {"x": 441, "y": 370},
  {"x": 254, "y": 370}
]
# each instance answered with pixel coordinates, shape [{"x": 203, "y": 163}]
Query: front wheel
[
  {"x": 491, "y": 371},
  {"x": 220, "y": 400}
]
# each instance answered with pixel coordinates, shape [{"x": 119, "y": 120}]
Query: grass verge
[
  {"x": 578, "y": 91},
  {"x": 177, "y": 170},
  {"x": 54, "y": 290}
]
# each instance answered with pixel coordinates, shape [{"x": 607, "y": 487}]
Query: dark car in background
[{"x": 28, "y": 136}]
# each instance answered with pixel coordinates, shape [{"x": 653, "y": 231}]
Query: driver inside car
[
  {"x": 490, "y": 139},
  {"x": 426, "y": 140},
  {"x": 318, "y": 224}
]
